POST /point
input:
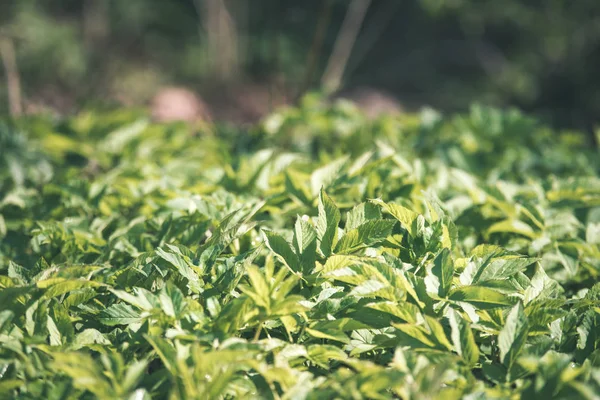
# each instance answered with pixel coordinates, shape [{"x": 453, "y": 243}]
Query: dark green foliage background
[{"x": 541, "y": 56}]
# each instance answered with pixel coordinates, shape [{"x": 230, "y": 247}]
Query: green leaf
[
  {"x": 418, "y": 333},
  {"x": 463, "y": 339},
  {"x": 165, "y": 351},
  {"x": 332, "y": 334},
  {"x": 89, "y": 337},
  {"x": 304, "y": 235},
  {"x": 502, "y": 268},
  {"x": 283, "y": 250},
  {"x": 86, "y": 374},
  {"x": 171, "y": 300},
  {"x": 182, "y": 265},
  {"x": 327, "y": 224},
  {"x": 115, "y": 141},
  {"x": 9, "y": 385},
  {"x": 405, "y": 311},
  {"x": 406, "y": 217},
  {"x": 360, "y": 214},
  {"x": 366, "y": 235},
  {"x": 437, "y": 332},
  {"x": 340, "y": 324},
  {"x": 370, "y": 276},
  {"x": 58, "y": 286},
  {"x": 261, "y": 291},
  {"x": 541, "y": 287},
  {"x": 294, "y": 185},
  {"x": 141, "y": 298},
  {"x": 322, "y": 177},
  {"x": 513, "y": 335},
  {"x": 54, "y": 334},
  {"x": 62, "y": 320},
  {"x": 592, "y": 233},
  {"x": 481, "y": 297},
  {"x": 289, "y": 305},
  {"x": 134, "y": 374},
  {"x": 321, "y": 354},
  {"x": 512, "y": 226},
  {"x": 443, "y": 269},
  {"x": 119, "y": 314}
]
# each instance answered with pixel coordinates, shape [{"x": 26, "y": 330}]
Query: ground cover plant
[{"x": 319, "y": 255}]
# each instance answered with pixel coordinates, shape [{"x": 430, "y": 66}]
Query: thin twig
[
  {"x": 342, "y": 49},
  {"x": 377, "y": 26},
  {"x": 316, "y": 46}
]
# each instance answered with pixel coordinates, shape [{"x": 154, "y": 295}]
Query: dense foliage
[
  {"x": 320, "y": 255},
  {"x": 541, "y": 55}
]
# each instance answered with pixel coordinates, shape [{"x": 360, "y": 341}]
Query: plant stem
[{"x": 258, "y": 330}]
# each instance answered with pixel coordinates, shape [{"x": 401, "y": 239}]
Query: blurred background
[{"x": 235, "y": 60}]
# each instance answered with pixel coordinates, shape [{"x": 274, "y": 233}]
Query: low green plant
[{"x": 323, "y": 256}]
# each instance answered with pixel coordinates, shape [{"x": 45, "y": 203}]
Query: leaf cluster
[{"x": 331, "y": 256}]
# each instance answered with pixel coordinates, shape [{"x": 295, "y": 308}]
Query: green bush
[{"x": 319, "y": 255}]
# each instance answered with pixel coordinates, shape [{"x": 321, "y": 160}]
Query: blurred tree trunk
[
  {"x": 222, "y": 39},
  {"x": 96, "y": 23},
  {"x": 11, "y": 72}
]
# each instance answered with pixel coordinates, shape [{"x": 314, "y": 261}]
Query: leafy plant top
[{"x": 319, "y": 255}]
